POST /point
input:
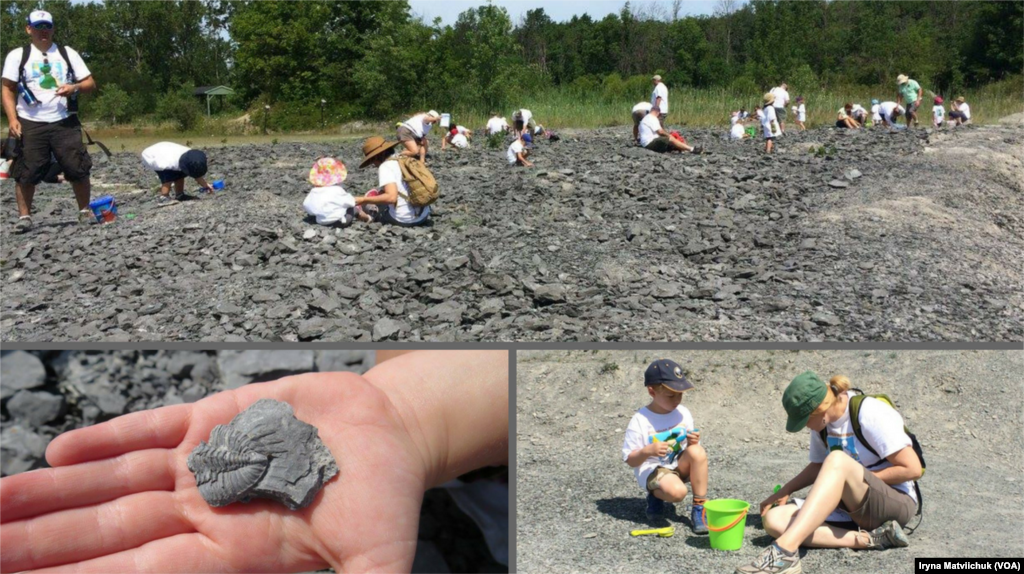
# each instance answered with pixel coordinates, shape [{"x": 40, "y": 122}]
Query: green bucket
[
  {"x": 752, "y": 131},
  {"x": 726, "y": 518}
]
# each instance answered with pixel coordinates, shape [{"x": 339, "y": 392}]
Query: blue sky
[{"x": 559, "y": 10}]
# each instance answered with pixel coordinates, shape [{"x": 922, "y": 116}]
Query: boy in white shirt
[
  {"x": 801, "y": 112},
  {"x": 173, "y": 163},
  {"x": 938, "y": 113},
  {"x": 661, "y": 466},
  {"x": 519, "y": 150}
]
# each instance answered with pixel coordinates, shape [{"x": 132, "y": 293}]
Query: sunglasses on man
[{"x": 43, "y": 26}]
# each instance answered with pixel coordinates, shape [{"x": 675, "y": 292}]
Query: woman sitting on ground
[
  {"x": 389, "y": 202},
  {"x": 858, "y": 499},
  {"x": 845, "y": 119},
  {"x": 960, "y": 112},
  {"x": 412, "y": 134}
]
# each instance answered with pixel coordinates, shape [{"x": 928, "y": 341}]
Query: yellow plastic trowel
[{"x": 661, "y": 532}]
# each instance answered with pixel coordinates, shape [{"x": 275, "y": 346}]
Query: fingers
[
  {"x": 84, "y": 533},
  {"x": 191, "y": 552},
  {"x": 158, "y": 428},
  {"x": 49, "y": 490}
]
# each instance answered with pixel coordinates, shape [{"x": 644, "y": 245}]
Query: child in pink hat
[{"x": 328, "y": 201}]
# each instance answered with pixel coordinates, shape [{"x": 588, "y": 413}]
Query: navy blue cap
[{"x": 668, "y": 373}]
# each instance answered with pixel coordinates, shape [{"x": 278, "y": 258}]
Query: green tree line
[{"x": 377, "y": 60}]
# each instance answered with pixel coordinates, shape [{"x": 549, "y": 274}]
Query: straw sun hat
[{"x": 374, "y": 146}]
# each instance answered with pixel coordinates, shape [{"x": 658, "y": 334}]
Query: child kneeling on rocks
[
  {"x": 661, "y": 467},
  {"x": 519, "y": 150},
  {"x": 328, "y": 201},
  {"x": 173, "y": 163}
]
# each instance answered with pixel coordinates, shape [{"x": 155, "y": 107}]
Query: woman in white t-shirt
[
  {"x": 861, "y": 494},
  {"x": 389, "y": 202},
  {"x": 412, "y": 133},
  {"x": 961, "y": 112}
]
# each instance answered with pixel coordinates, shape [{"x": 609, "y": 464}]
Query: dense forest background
[{"x": 377, "y": 60}]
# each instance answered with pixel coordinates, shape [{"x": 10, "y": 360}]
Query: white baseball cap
[{"x": 40, "y": 16}]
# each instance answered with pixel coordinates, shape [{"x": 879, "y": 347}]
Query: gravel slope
[
  {"x": 840, "y": 236},
  {"x": 577, "y": 502}
]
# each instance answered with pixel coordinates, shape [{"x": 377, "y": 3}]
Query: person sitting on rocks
[
  {"x": 173, "y": 163},
  {"x": 519, "y": 150},
  {"x": 845, "y": 119},
  {"x": 960, "y": 112},
  {"x": 496, "y": 125},
  {"x": 862, "y": 494},
  {"x": 412, "y": 134},
  {"x": 328, "y": 201},
  {"x": 655, "y": 138},
  {"x": 389, "y": 202},
  {"x": 769, "y": 124},
  {"x": 640, "y": 111},
  {"x": 458, "y": 136},
  {"x": 858, "y": 113},
  {"x": 661, "y": 468},
  {"x": 890, "y": 113}
]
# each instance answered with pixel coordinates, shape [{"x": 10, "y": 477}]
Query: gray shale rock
[
  {"x": 264, "y": 452},
  {"x": 35, "y": 408},
  {"x": 20, "y": 370}
]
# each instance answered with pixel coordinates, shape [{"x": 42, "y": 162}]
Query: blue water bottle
[{"x": 27, "y": 95}]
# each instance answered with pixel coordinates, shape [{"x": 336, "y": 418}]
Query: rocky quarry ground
[
  {"x": 576, "y": 501},
  {"x": 46, "y": 393},
  {"x": 852, "y": 236}
]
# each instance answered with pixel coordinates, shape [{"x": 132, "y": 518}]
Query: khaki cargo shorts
[{"x": 655, "y": 477}]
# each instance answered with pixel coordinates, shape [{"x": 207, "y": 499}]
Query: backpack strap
[
  {"x": 73, "y": 98},
  {"x": 25, "y": 53}
]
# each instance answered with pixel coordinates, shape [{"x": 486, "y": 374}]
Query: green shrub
[
  {"x": 181, "y": 107},
  {"x": 111, "y": 104}
]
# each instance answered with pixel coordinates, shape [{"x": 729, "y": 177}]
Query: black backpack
[
  {"x": 855, "y": 404},
  {"x": 71, "y": 78}
]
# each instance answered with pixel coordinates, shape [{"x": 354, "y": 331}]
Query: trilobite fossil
[{"x": 264, "y": 452}]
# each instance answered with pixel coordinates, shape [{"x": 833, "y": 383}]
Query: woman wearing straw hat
[
  {"x": 388, "y": 203},
  {"x": 858, "y": 499}
]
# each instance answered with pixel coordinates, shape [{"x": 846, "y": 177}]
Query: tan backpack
[{"x": 423, "y": 189}]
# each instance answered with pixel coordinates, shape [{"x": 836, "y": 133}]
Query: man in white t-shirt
[
  {"x": 781, "y": 93},
  {"x": 40, "y": 99},
  {"x": 522, "y": 121},
  {"x": 389, "y": 203},
  {"x": 659, "y": 97},
  {"x": 890, "y": 113},
  {"x": 640, "y": 111},
  {"x": 655, "y": 138},
  {"x": 173, "y": 163},
  {"x": 412, "y": 134},
  {"x": 663, "y": 447},
  {"x": 496, "y": 125}
]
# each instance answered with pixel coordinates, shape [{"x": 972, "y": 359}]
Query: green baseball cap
[{"x": 802, "y": 396}]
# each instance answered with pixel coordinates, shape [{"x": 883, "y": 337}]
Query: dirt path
[{"x": 577, "y": 502}]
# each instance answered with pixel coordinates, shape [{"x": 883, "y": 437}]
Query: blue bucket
[{"x": 104, "y": 209}]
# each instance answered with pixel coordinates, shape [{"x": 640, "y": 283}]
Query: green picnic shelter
[{"x": 210, "y": 91}]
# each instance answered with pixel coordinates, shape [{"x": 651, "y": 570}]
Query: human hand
[
  {"x": 693, "y": 437},
  {"x": 15, "y": 127},
  {"x": 778, "y": 498},
  {"x": 66, "y": 90},
  {"x": 658, "y": 449},
  {"x": 120, "y": 497}
]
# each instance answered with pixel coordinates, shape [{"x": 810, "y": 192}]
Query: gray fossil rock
[{"x": 264, "y": 452}]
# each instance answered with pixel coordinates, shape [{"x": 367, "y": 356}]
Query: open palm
[{"x": 121, "y": 498}]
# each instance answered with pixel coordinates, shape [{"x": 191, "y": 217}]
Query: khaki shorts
[
  {"x": 638, "y": 117},
  {"x": 882, "y": 504},
  {"x": 405, "y": 135},
  {"x": 661, "y": 472}
]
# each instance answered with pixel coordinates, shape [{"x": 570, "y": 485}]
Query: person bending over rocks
[
  {"x": 173, "y": 163},
  {"x": 458, "y": 136},
  {"x": 389, "y": 202},
  {"x": 844, "y": 119},
  {"x": 412, "y": 134},
  {"x": 662, "y": 467},
  {"x": 876, "y": 114},
  {"x": 519, "y": 150},
  {"x": 640, "y": 111},
  {"x": 862, "y": 494},
  {"x": 126, "y": 499},
  {"x": 655, "y": 138},
  {"x": 890, "y": 113},
  {"x": 522, "y": 120}
]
